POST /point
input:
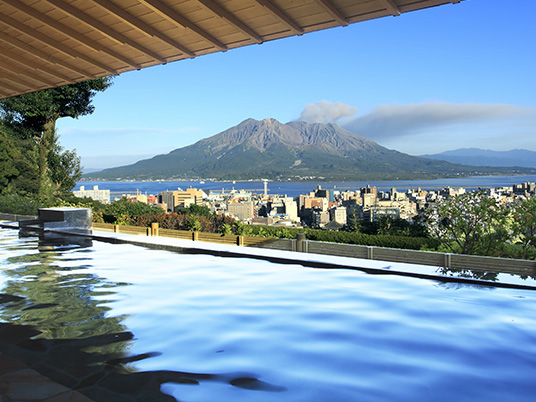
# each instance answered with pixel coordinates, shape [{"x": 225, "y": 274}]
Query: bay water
[{"x": 295, "y": 188}]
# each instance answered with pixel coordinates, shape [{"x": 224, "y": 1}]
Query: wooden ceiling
[{"x": 49, "y": 43}]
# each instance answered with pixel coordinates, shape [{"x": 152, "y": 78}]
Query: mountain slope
[
  {"x": 268, "y": 149},
  {"x": 486, "y": 157}
]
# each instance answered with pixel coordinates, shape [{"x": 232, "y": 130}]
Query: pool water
[{"x": 158, "y": 325}]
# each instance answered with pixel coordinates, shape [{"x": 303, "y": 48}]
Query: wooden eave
[{"x": 49, "y": 43}]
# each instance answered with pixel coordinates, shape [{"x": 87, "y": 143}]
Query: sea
[{"x": 295, "y": 188}]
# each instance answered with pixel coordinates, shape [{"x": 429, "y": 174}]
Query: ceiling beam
[
  {"x": 14, "y": 78},
  {"x": 231, "y": 19},
  {"x": 15, "y": 74},
  {"x": 391, "y": 7},
  {"x": 52, "y": 43},
  {"x": 2, "y": 93},
  {"x": 69, "y": 32},
  {"x": 281, "y": 16},
  {"x": 26, "y": 63},
  {"x": 334, "y": 12},
  {"x": 11, "y": 88},
  {"x": 174, "y": 17},
  {"x": 103, "y": 29},
  {"x": 141, "y": 26},
  {"x": 39, "y": 54}
]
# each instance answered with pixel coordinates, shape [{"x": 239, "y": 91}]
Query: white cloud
[{"x": 326, "y": 112}]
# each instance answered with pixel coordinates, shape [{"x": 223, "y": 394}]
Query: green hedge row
[{"x": 402, "y": 242}]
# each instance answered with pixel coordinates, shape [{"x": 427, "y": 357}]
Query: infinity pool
[{"x": 121, "y": 322}]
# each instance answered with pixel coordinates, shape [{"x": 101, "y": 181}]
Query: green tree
[
  {"x": 8, "y": 170},
  {"x": 238, "y": 228},
  {"x": 33, "y": 117},
  {"x": 353, "y": 223},
  {"x": 121, "y": 210},
  {"x": 471, "y": 223},
  {"x": 193, "y": 224},
  {"x": 64, "y": 169},
  {"x": 226, "y": 229},
  {"x": 194, "y": 209},
  {"x": 524, "y": 227}
]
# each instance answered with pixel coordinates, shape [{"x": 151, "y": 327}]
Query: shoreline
[
  {"x": 300, "y": 180},
  {"x": 295, "y": 188}
]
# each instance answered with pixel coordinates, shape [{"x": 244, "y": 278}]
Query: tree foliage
[
  {"x": 211, "y": 224},
  {"x": 121, "y": 211},
  {"x": 8, "y": 170},
  {"x": 64, "y": 169},
  {"x": 29, "y": 114},
  {"x": 387, "y": 225},
  {"x": 471, "y": 223},
  {"x": 524, "y": 227},
  {"x": 195, "y": 209},
  {"x": 28, "y": 124},
  {"x": 13, "y": 203}
]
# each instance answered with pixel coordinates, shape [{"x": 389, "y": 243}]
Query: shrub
[
  {"x": 20, "y": 204},
  {"x": 403, "y": 242},
  {"x": 122, "y": 211}
]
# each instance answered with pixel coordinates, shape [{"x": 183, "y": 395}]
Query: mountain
[
  {"x": 486, "y": 157},
  {"x": 91, "y": 170},
  {"x": 268, "y": 149}
]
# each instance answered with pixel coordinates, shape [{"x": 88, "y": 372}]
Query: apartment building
[
  {"x": 338, "y": 214},
  {"x": 180, "y": 198},
  {"x": 242, "y": 211}
]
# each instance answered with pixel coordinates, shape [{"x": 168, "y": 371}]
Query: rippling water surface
[{"x": 250, "y": 330}]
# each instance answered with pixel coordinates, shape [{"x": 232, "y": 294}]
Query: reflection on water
[
  {"x": 118, "y": 322},
  {"x": 499, "y": 279},
  {"x": 470, "y": 273},
  {"x": 55, "y": 319},
  {"x": 54, "y": 298}
]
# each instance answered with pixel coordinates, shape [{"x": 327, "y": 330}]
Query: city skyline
[{"x": 449, "y": 77}]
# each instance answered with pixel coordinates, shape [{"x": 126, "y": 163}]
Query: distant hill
[
  {"x": 90, "y": 170},
  {"x": 268, "y": 149},
  {"x": 486, "y": 157}
]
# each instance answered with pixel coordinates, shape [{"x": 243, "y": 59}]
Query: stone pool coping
[{"x": 18, "y": 382}]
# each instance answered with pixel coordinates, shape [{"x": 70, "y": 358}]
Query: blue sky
[{"x": 449, "y": 77}]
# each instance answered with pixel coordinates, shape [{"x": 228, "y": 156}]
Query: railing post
[
  {"x": 195, "y": 236},
  {"x": 301, "y": 243},
  {"x": 448, "y": 260},
  {"x": 240, "y": 240},
  {"x": 370, "y": 252},
  {"x": 116, "y": 228},
  {"x": 154, "y": 229}
]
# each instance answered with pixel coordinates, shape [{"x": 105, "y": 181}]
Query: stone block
[{"x": 66, "y": 219}]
